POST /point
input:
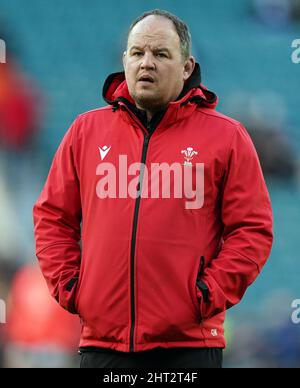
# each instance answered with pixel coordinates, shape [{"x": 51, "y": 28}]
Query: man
[{"x": 157, "y": 267}]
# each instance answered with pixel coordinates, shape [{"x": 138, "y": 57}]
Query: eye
[
  {"x": 161, "y": 55},
  {"x": 137, "y": 53}
]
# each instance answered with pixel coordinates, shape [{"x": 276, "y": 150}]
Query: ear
[
  {"x": 189, "y": 68},
  {"x": 124, "y": 58}
]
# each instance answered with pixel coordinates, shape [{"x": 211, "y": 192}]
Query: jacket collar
[{"x": 115, "y": 93}]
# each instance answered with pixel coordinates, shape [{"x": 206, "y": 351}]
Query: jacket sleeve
[
  {"x": 247, "y": 230},
  {"x": 57, "y": 219}
]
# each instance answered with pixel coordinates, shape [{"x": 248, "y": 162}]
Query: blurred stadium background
[{"x": 58, "y": 56}]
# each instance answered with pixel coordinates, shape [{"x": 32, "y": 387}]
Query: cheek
[
  {"x": 131, "y": 72},
  {"x": 173, "y": 75},
  {"x": 173, "y": 79},
  {"x": 130, "y": 77}
]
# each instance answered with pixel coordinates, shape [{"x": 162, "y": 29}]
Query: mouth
[{"x": 146, "y": 79}]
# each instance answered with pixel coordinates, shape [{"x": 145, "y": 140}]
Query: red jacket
[{"x": 150, "y": 272}]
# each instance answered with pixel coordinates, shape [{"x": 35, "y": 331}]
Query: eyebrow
[
  {"x": 155, "y": 49},
  {"x": 135, "y": 48},
  {"x": 162, "y": 49}
]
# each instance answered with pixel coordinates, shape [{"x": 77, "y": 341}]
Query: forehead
[{"x": 154, "y": 31}]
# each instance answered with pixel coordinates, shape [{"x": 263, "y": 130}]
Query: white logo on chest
[{"x": 104, "y": 151}]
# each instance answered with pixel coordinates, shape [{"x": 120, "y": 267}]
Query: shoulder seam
[
  {"x": 228, "y": 119},
  {"x": 103, "y": 108}
]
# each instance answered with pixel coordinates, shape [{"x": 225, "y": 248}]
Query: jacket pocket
[
  {"x": 77, "y": 293},
  {"x": 66, "y": 295},
  {"x": 196, "y": 292},
  {"x": 78, "y": 288},
  {"x": 71, "y": 283},
  {"x": 201, "y": 267},
  {"x": 199, "y": 283}
]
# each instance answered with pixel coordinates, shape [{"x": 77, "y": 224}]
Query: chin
[{"x": 147, "y": 101}]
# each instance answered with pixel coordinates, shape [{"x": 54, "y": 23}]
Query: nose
[{"x": 147, "y": 61}]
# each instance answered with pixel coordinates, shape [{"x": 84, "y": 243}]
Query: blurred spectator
[
  {"x": 19, "y": 113},
  {"x": 20, "y": 118},
  {"x": 38, "y": 332},
  {"x": 274, "y": 342},
  {"x": 266, "y": 127},
  {"x": 20, "y": 102},
  {"x": 296, "y": 9},
  {"x": 277, "y": 12},
  {"x": 273, "y": 12},
  {"x": 277, "y": 157}
]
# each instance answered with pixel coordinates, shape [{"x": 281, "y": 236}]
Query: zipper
[
  {"x": 147, "y": 134},
  {"x": 133, "y": 237}
]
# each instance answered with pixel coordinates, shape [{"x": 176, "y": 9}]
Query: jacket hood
[{"x": 115, "y": 90}]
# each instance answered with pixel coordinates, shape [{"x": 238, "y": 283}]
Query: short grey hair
[{"x": 180, "y": 27}]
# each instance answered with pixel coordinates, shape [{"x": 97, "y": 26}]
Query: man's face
[{"x": 155, "y": 70}]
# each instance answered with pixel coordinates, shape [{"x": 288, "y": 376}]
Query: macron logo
[{"x": 104, "y": 151}]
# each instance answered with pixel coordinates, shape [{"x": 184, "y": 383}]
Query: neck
[{"x": 150, "y": 112}]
